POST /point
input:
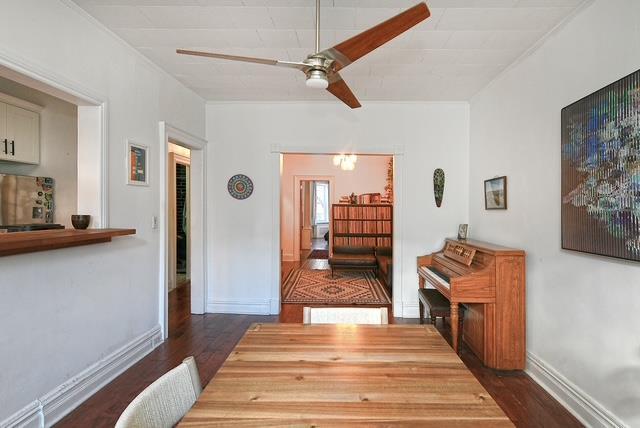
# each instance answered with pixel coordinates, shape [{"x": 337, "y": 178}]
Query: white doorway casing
[
  {"x": 198, "y": 198},
  {"x": 277, "y": 152}
]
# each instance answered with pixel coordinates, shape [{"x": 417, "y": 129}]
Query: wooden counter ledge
[{"x": 30, "y": 242}]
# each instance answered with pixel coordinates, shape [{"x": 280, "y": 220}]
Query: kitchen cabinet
[{"x": 19, "y": 134}]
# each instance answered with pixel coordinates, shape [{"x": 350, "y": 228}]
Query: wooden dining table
[{"x": 344, "y": 375}]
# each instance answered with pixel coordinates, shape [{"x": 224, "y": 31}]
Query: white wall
[
  {"x": 241, "y": 242},
  {"x": 58, "y": 147},
  {"x": 582, "y": 309},
  {"x": 63, "y": 310},
  {"x": 370, "y": 176}
]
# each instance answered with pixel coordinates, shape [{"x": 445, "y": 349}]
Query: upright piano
[{"x": 490, "y": 281}]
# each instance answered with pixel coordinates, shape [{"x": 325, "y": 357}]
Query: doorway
[
  {"x": 312, "y": 209},
  {"x": 179, "y": 225},
  {"x": 315, "y": 202},
  {"x": 188, "y": 158}
]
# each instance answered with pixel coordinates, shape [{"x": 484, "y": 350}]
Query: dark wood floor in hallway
[{"x": 211, "y": 337}]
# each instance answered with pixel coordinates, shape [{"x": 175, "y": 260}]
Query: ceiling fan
[{"x": 322, "y": 67}]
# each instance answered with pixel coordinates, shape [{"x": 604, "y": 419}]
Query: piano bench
[{"x": 439, "y": 306}]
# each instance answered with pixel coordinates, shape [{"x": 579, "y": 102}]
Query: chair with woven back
[
  {"x": 329, "y": 315},
  {"x": 166, "y": 400}
]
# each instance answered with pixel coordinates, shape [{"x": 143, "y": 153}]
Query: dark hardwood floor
[{"x": 211, "y": 337}]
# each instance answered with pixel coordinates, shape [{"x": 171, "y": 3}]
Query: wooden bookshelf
[{"x": 369, "y": 225}]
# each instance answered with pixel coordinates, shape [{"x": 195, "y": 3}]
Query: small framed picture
[
  {"x": 137, "y": 164},
  {"x": 462, "y": 231},
  {"x": 495, "y": 193}
]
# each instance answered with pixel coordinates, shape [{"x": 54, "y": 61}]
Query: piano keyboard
[{"x": 436, "y": 275}]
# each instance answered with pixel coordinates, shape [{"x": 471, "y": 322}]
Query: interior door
[
  {"x": 305, "y": 206},
  {"x": 175, "y": 159}
]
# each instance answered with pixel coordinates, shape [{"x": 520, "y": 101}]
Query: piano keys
[
  {"x": 490, "y": 281},
  {"x": 435, "y": 275}
]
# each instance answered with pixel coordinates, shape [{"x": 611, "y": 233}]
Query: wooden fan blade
[
  {"x": 341, "y": 90},
  {"x": 358, "y": 46},
  {"x": 288, "y": 64}
]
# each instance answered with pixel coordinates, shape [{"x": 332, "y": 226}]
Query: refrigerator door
[{"x": 26, "y": 200}]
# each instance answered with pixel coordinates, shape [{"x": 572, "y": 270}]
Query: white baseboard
[
  {"x": 59, "y": 402},
  {"x": 579, "y": 403},
  {"x": 410, "y": 310},
  {"x": 30, "y": 416},
  {"x": 244, "y": 306},
  {"x": 275, "y": 306}
]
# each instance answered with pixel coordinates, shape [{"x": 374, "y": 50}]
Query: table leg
[{"x": 454, "y": 326}]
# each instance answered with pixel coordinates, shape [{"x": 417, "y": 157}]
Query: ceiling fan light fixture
[
  {"x": 317, "y": 79},
  {"x": 345, "y": 162}
]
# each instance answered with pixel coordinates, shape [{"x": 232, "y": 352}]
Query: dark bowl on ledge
[{"x": 80, "y": 221}]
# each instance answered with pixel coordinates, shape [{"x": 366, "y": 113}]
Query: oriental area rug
[
  {"x": 318, "y": 254},
  {"x": 346, "y": 287}
]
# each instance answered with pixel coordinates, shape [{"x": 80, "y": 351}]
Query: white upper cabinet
[
  {"x": 19, "y": 134},
  {"x": 3, "y": 130}
]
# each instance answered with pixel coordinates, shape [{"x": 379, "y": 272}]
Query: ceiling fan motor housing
[{"x": 317, "y": 78}]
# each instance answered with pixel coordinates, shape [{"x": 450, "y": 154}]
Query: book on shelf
[{"x": 384, "y": 242}]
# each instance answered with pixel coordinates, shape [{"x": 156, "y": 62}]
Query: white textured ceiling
[{"x": 450, "y": 56}]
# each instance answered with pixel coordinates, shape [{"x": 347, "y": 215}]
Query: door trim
[{"x": 198, "y": 197}]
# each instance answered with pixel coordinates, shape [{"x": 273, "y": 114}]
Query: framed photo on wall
[
  {"x": 137, "y": 164},
  {"x": 495, "y": 193}
]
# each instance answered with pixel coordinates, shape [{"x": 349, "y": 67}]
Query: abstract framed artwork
[
  {"x": 495, "y": 193},
  {"x": 601, "y": 171},
  {"x": 137, "y": 164}
]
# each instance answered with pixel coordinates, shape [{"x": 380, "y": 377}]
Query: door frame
[
  {"x": 297, "y": 181},
  {"x": 174, "y": 160},
  {"x": 198, "y": 197},
  {"x": 397, "y": 151}
]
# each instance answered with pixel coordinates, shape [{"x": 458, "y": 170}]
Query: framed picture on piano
[
  {"x": 495, "y": 193},
  {"x": 462, "y": 231}
]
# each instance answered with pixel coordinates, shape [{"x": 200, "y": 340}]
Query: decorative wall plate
[
  {"x": 240, "y": 186},
  {"x": 438, "y": 186}
]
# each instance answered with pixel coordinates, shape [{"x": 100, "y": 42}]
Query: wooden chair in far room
[
  {"x": 327, "y": 315},
  {"x": 165, "y": 401}
]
